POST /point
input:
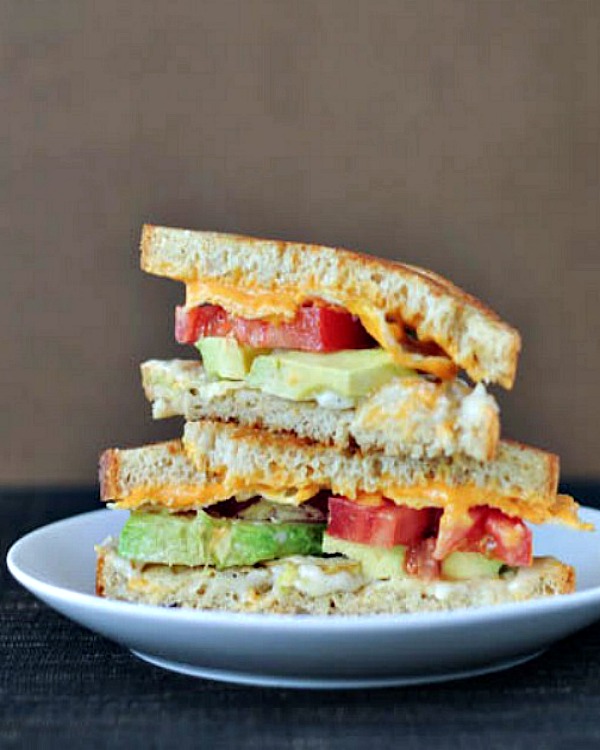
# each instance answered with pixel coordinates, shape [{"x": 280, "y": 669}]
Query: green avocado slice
[
  {"x": 199, "y": 539},
  {"x": 303, "y": 375},
  {"x": 468, "y": 565},
  {"x": 225, "y": 358},
  {"x": 383, "y": 563},
  {"x": 377, "y": 562}
]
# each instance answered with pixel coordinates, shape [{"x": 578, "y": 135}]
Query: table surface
[{"x": 60, "y": 683}]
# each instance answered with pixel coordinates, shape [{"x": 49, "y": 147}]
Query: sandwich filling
[
  {"x": 225, "y": 535},
  {"x": 317, "y": 327},
  {"x": 386, "y": 541},
  {"x": 290, "y": 311},
  {"x": 351, "y": 358}
]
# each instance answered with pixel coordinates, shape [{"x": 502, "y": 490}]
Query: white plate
[{"x": 56, "y": 563}]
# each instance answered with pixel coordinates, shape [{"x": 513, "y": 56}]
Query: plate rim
[{"x": 417, "y": 620}]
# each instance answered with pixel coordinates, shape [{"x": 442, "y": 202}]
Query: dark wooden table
[{"x": 62, "y": 686}]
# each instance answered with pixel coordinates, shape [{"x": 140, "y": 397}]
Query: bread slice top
[
  {"x": 222, "y": 461},
  {"x": 263, "y": 277},
  {"x": 132, "y": 471},
  {"x": 521, "y": 481}
]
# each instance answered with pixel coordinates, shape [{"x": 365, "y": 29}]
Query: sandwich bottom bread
[
  {"x": 214, "y": 527},
  {"x": 316, "y": 586}
]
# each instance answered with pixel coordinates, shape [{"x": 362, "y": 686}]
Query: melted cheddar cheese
[
  {"x": 178, "y": 497},
  {"x": 389, "y": 337},
  {"x": 246, "y": 303},
  {"x": 282, "y": 305},
  {"x": 175, "y": 497},
  {"x": 455, "y": 501}
]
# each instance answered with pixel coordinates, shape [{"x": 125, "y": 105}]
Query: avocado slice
[
  {"x": 225, "y": 358},
  {"x": 466, "y": 565},
  {"x": 302, "y": 375},
  {"x": 382, "y": 563},
  {"x": 377, "y": 562},
  {"x": 198, "y": 539}
]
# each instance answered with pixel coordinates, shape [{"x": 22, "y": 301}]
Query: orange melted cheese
[
  {"x": 389, "y": 337},
  {"x": 180, "y": 497},
  {"x": 256, "y": 303},
  {"x": 455, "y": 501},
  {"x": 245, "y": 302},
  {"x": 174, "y": 496}
]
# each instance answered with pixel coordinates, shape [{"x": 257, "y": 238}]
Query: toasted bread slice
[
  {"x": 266, "y": 278},
  {"x": 256, "y": 589},
  {"x": 225, "y": 461},
  {"x": 521, "y": 481},
  {"x": 124, "y": 470},
  {"x": 410, "y": 417},
  {"x": 161, "y": 474}
]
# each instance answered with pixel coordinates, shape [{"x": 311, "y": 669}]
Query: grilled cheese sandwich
[{"x": 341, "y": 452}]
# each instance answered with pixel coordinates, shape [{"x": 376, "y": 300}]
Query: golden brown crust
[
  {"x": 470, "y": 332},
  {"x": 100, "y": 583},
  {"x": 269, "y": 443},
  {"x": 108, "y": 474},
  {"x": 437, "y": 284},
  {"x": 566, "y": 580},
  {"x": 550, "y": 460}
]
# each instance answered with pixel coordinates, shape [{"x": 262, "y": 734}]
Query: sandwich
[
  {"x": 341, "y": 452},
  {"x": 243, "y": 520},
  {"x": 328, "y": 345}
]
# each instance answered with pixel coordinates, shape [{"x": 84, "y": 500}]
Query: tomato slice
[
  {"x": 485, "y": 530},
  {"x": 384, "y": 525},
  {"x": 490, "y": 532},
  {"x": 196, "y": 322},
  {"x": 315, "y": 328},
  {"x": 421, "y": 562},
  {"x": 504, "y": 538}
]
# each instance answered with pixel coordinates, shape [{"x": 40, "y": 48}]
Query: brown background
[{"x": 462, "y": 136}]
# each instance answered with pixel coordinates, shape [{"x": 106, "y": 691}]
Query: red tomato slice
[
  {"x": 206, "y": 320},
  {"x": 315, "y": 328},
  {"x": 384, "y": 525},
  {"x": 504, "y": 538},
  {"x": 450, "y": 536},
  {"x": 485, "y": 530},
  {"x": 421, "y": 562},
  {"x": 490, "y": 532}
]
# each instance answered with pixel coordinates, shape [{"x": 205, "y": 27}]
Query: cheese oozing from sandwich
[
  {"x": 282, "y": 306},
  {"x": 455, "y": 501}
]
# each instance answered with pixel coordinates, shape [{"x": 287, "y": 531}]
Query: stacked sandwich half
[{"x": 341, "y": 454}]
